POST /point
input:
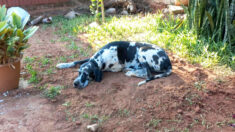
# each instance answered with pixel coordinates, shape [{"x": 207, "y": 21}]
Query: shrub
[{"x": 13, "y": 36}]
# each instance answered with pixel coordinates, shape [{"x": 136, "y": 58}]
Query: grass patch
[
  {"x": 157, "y": 29},
  {"x": 52, "y": 92},
  {"x": 33, "y": 74},
  {"x": 95, "y": 118}
]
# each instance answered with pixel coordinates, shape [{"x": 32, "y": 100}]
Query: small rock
[
  {"x": 124, "y": 12},
  {"x": 71, "y": 15},
  {"x": 165, "y": 11},
  {"x": 47, "y": 20},
  {"x": 176, "y": 9},
  {"x": 23, "y": 73},
  {"x": 78, "y": 123},
  {"x": 1, "y": 101},
  {"x": 94, "y": 24},
  {"x": 92, "y": 127},
  {"x": 36, "y": 20},
  {"x": 23, "y": 84},
  {"x": 110, "y": 11},
  {"x": 179, "y": 111},
  {"x": 131, "y": 6},
  {"x": 5, "y": 94}
]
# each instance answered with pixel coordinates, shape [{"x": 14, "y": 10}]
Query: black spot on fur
[
  {"x": 111, "y": 65},
  {"x": 132, "y": 67},
  {"x": 161, "y": 53},
  {"x": 144, "y": 57},
  {"x": 126, "y": 53},
  {"x": 155, "y": 58},
  {"x": 165, "y": 64},
  {"x": 103, "y": 66},
  {"x": 83, "y": 78},
  {"x": 146, "y": 48}
]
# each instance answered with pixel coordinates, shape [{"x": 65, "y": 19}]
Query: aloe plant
[
  {"x": 13, "y": 36},
  {"x": 213, "y": 19}
]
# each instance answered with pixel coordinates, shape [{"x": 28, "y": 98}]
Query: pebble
[
  {"x": 110, "y": 11},
  {"x": 92, "y": 127}
]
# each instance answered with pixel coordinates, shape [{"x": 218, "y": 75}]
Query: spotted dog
[{"x": 137, "y": 59}]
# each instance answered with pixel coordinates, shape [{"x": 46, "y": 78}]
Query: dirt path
[{"x": 191, "y": 99}]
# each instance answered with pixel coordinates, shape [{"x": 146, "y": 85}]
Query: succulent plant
[{"x": 13, "y": 36}]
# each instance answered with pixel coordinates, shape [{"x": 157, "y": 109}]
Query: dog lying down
[{"x": 137, "y": 59}]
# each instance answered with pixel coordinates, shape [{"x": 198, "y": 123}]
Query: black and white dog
[{"x": 138, "y": 59}]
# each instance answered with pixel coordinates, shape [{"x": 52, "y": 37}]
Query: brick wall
[{"x": 10, "y": 3}]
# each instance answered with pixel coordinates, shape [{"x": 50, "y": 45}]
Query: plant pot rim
[{"x": 17, "y": 60}]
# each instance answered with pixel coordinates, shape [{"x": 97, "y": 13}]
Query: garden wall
[{"x": 10, "y": 3}]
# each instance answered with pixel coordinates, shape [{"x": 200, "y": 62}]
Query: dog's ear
[{"x": 98, "y": 75}]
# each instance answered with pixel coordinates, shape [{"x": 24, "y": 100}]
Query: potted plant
[{"x": 13, "y": 40}]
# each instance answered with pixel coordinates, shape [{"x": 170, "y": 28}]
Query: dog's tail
[
  {"x": 165, "y": 74},
  {"x": 71, "y": 64}
]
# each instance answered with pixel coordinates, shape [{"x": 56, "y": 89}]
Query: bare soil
[{"x": 191, "y": 99}]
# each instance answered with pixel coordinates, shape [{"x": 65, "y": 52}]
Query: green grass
[
  {"x": 53, "y": 91},
  {"x": 154, "y": 122},
  {"x": 33, "y": 74},
  {"x": 153, "y": 28},
  {"x": 95, "y": 118}
]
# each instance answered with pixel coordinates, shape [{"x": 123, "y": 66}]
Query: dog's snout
[{"x": 75, "y": 84}]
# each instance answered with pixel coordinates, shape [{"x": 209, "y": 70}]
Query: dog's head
[{"x": 87, "y": 72}]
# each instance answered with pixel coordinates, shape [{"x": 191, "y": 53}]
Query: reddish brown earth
[{"x": 191, "y": 99}]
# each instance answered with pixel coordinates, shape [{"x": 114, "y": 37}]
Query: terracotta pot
[
  {"x": 9, "y": 76},
  {"x": 181, "y": 2}
]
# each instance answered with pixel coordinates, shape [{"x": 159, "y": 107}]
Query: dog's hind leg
[
  {"x": 165, "y": 74},
  {"x": 71, "y": 64}
]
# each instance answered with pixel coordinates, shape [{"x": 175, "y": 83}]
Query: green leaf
[
  {"x": 20, "y": 34},
  {"x": 16, "y": 20},
  {"x": 3, "y": 11},
  {"x": 3, "y": 25},
  {"x": 210, "y": 21},
  {"x": 29, "y": 32}
]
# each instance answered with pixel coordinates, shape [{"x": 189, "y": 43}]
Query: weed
[
  {"x": 52, "y": 41},
  {"x": 43, "y": 87},
  {"x": 63, "y": 59},
  {"x": 50, "y": 70},
  {"x": 220, "y": 123},
  {"x": 33, "y": 74},
  {"x": 67, "y": 104},
  {"x": 53, "y": 91},
  {"x": 29, "y": 60},
  {"x": 199, "y": 85},
  {"x": 158, "y": 103},
  {"x": 72, "y": 46},
  {"x": 124, "y": 113},
  {"x": 73, "y": 56},
  {"x": 153, "y": 123},
  {"x": 89, "y": 104},
  {"x": 70, "y": 116},
  {"x": 95, "y": 118},
  {"x": 45, "y": 61}
]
